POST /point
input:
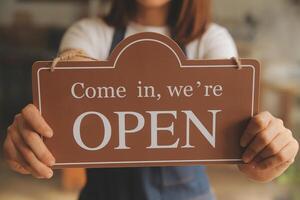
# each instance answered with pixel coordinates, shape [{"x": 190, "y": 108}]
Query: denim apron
[{"x": 146, "y": 183}]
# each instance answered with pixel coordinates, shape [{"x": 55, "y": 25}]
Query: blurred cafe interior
[{"x": 268, "y": 30}]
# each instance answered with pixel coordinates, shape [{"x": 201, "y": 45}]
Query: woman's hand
[
  {"x": 270, "y": 148},
  {"x": 24, "y": 149}
]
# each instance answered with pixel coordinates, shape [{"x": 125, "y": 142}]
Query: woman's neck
[{"x": 152, "y": 16}]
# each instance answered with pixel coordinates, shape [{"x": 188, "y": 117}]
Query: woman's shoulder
[
  {"x": 214, "y": 30},
  {"x": 96, "y": 23},
  {"x": 216, "y": 43},
  {"x": 92, "y": 35}
]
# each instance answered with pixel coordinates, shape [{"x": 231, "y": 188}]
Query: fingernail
[
  {"x": 52, "y": 162},
  {"x": 50, "y": 174},
  {"x": 246, "y": 159},
  {"x": 243, "y": 141},
  {"x": 243, "y": 144},
  {"x": 49, "y": 133}
]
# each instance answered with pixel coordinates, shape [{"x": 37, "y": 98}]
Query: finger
[
  {"x": 286, "y": 155},
  {"x": 13, "y": 158},
  {"x": 41, "y": 169},
  {"x": 18, "y": 164},
  {"x": 256, "y": 125},
  {"x": 34, "y": 141},
  {"x": 280, "y": 141},
  {"x": 33, "y": 117},
  {"x": 261, "y": 140}
]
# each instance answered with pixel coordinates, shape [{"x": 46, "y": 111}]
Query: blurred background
[{"x": 268, "y": 30}]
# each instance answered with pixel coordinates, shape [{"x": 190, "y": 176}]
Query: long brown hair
[{"x": 188, "y": 19}]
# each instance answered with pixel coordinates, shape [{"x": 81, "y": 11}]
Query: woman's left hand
[{"x": 270, "y": 148}]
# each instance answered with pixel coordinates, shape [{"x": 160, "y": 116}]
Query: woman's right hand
[{"x": 24, "y": 149}]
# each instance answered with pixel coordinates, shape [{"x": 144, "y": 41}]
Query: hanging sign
[{"x": 147, "y": 105}]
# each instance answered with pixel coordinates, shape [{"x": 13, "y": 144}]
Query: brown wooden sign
[{"x": 147, "y": 105}]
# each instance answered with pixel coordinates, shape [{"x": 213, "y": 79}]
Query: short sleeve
[
  {"x": 217, "y": 43},
  {"x": 92, "y": 36}
]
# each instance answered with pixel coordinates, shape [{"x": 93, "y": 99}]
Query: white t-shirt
[{"x": 94, "y": 36}]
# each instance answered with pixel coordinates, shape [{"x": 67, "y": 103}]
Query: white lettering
[
  {"x": 77, "y": 135},
  {"x": 155, "y": 129},
  {"x": 73, "y": 90},
  {"x": 97, "y": 92},
  {"x": 123, "y": 130},
  {"x": 211, "y": 138}
]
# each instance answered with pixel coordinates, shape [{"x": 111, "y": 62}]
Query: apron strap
[
  {"x": 119, "y": 34},
  {"x": 182, "y": 47}
]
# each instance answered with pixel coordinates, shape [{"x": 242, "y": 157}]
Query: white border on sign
[{"x": 182, "y": 66}]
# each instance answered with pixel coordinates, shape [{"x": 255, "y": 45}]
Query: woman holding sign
[{"x": 270, "y": 147}]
